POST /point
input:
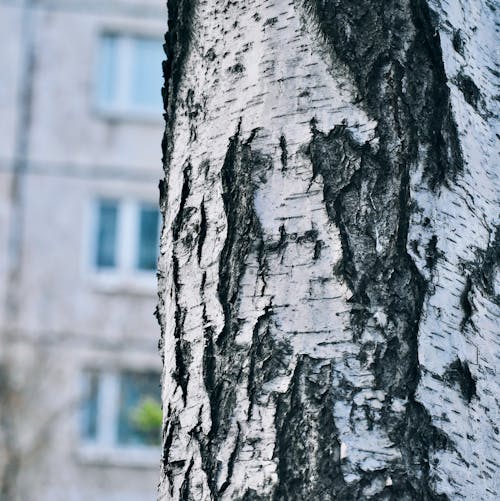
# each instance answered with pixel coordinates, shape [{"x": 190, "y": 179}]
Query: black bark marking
[
  {"x": 469, "y": 90},
  {"x": 420, "y": 438},
  {"x": 169, "y": 430},
  {"x": 209, "y": 379},
  {"x": 465, "y": 303},
  {"x": 458, "y": 42},
  {"x": 208, "y": 354},
  {"x": 236, "y": 68},
  {"x": 185, "y": 493},
  {"x": 304, "y": 417},
  {"x": 280, "y": 245},
  {"x": 243, "y": 229},
  {"x": 232, "y": 460},
  {"x": 202, "y": 233},
  {"x": 161, "y": 341},
  {"x": 251, "y": 495},
  {"x": 186, "y": 190},
  {"x": 309, "y": 236},
  {"x": 432, "y": 254},
  {"x": 263, "y": 267},
  {"x": 211, "y": 55},
  {"x": 271, "y": 21},
  {"x": 207, "y": 461},
  {"x": 163, "y": 191},
  {"x": 318, "y": 246},
  {"x": 182, "y": 353},
  {"x": 458, "y": 372},
  {"x": 284, "y": 153},
  {"x": 337, "y": 158}
]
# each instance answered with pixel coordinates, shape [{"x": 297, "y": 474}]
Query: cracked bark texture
[{"x": 328, "y": 278}]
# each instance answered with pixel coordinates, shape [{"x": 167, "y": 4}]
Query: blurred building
[{"x": 80, "y": 132}]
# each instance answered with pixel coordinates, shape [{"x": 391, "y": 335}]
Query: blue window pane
[
  {"x": 107, "y": 70},
  {"x": 106, "y": 234},
  {"x": 148, "y": 238},
  {"x": 88, "y": 429},
  {"x": 147, "y": 78},
  {"x": 140, "y": 410}
]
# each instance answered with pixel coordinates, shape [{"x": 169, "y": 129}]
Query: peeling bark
[{"x": 329, "y": 260}]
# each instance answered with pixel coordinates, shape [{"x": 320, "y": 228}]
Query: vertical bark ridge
[{"x": 224, "y": 359}]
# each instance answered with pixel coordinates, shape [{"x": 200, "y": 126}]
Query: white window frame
[
  {"x": 105, "y": 447},
  {"x": 126, "y": 272},
  {"x": 123, "y": 106}
]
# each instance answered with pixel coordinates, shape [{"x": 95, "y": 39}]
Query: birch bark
[{"x": 329, "y": 258}]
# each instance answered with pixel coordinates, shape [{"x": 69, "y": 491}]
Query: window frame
[
  {"x": 126, "y": 272},
  {"x": 106, "y": 447},
  {"x": 123, "y": 106}
]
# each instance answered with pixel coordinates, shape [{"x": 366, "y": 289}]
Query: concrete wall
[{"x": 70, "y": 317}]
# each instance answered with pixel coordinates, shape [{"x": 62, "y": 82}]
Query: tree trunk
[{"x": 329, "y": 253}]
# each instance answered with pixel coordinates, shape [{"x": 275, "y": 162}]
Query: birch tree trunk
[{"x": 329, "y": 258}]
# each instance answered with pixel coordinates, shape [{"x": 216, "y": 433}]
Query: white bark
[{"x": 328, "y": 271}]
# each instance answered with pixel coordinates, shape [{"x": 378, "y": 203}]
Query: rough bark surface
[{"x": 329, "y": 259}]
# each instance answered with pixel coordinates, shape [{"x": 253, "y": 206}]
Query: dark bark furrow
[
  {"x": 182, "y": 349},
  {"x": 284, "y": 152},
  {"x": 232, "y": 459},
  {"x": 185, "y": 493},
  {"x": 376, "y": 264},
  {"x": 177, "y": 42},
  {"x": 260, "y": 331},
  {"x": 385, "y": 42},
  {"x": 459, "y": 373},
  {"x": 202, "y": 234},
  {"x": 169, "y": 431},
  {"x": 348, "y": 171},
  {"x": 304, "y": 413}
]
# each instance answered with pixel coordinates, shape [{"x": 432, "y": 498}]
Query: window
[
  {"x": 147, "y": 238},
  {"x": 129, "y": 75},
  {"x": 89, "y": 409},
  {"x": 106, "y": 234},
  {"x": 126, "y": 236},
  {"x": 140, "y": 411},
  {"x": 120, "y": 409}
]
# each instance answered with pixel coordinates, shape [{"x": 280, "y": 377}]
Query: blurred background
[{"x": 80, "y": 133}]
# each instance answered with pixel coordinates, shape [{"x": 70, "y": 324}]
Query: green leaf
[{"x": 147, "y": 415}]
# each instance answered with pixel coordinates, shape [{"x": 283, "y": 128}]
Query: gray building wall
[{"x": 58, "y": 315}]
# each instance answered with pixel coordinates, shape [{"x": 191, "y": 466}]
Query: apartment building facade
[{"x": 80, "y": 161}]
